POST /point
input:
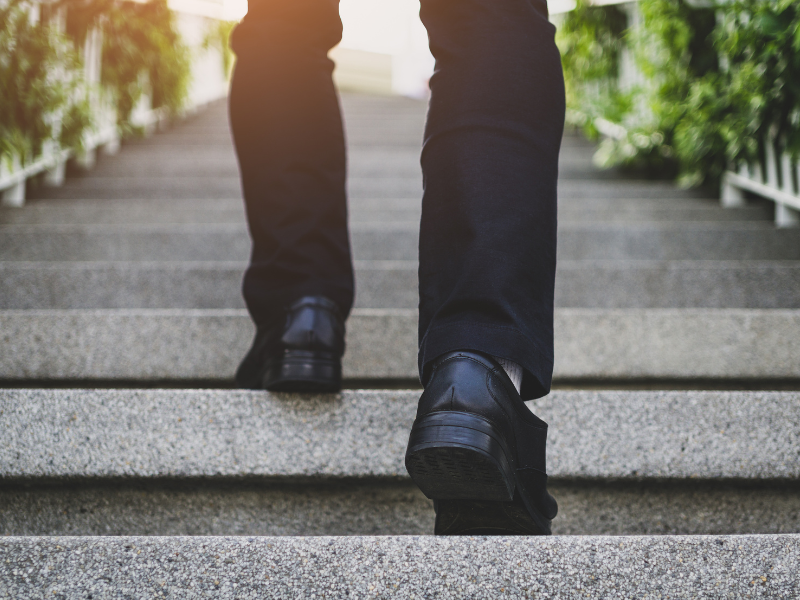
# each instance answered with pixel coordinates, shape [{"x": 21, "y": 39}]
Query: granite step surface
[
  {"x": 395, "y": 241},
  {"x": 387, "y": 186},
  {"x": 763, "y": 566},
  {"x": 219, "y": 160},
  {"x": 178, "y": 462},
  {"x": 382, "y": 507},
  {"x": 393, "y": 284},
  {"x": 591, "y": 345},
  {"x": 90, "y": 212}
]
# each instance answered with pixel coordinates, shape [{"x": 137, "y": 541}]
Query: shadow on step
[{"x": 382, "y": 507}]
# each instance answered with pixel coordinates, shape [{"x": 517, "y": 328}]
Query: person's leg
[
  {"x": 487, "y": 265},
  {"x": 289, "y": 140},
  {"x": 490, "y": 164}
]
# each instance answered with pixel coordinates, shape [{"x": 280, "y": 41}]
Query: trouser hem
[{"x": 494, "y": 340}]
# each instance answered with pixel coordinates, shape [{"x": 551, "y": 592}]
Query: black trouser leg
[
  {"x": 288, "y": 134},
  {"x": 489, "y": 161}
]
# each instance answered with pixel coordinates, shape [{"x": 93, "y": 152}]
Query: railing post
[
  {"x": 14, "y": 195},
  {"x": 786, "y": 216},
  {"x": 86, "y": 159},
  {"x": 731, "y": 196},
  {"x": 55, "y": 175}
]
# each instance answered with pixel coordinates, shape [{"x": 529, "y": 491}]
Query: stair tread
[
  {"x": 396, "y": 241},
  {"x": 393, "y": 284},
  {"x": 403, "y": 567},
  {"x": 62, "y": 435},
  {"x": 595, "y": 344}
]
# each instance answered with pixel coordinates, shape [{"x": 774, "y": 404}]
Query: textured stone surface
[
  {"x": 360, "y": 508},
  {"x": 371, "y": 508},
  {"x": 52, "y": 285},
  {"x": 763, "y": 566},
  {"x": 387, "y": 186},
  {"x": 678, "y": 284},
  {"x": 596, "y": 344},
  {"x": 396, "y": 241},
  {"x": 132, "y": 434},
  {"x": 219, "y": 210},
  {"x": 179, "y": 344},
  {"x": 89, "y": 212},
  {"x": 393, "y": 284},
  {"x": 677, "y": 343},
  {"x": 381, "y": 508}
]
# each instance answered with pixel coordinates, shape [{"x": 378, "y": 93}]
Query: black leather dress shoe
[
  {"x": 478, "y": 452},
  {"x": 304, "y": 355}
]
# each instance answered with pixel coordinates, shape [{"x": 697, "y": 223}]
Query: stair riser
[
  {"x": 50, "y": 285},
  {"x": 389, "y": 242},
  {"x": 383, "y": 509},
  {"x": 404, "y": 567},
  {"x": 591, "y": 344}
]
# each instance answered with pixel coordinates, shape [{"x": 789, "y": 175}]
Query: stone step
[
  {"x": 394, "y": 241},
  {"x": 381, "y": 507},
  {"x": 220, "y": 161},
  {"x": 402, "y": 567},
  {"x": 169, "y": 188},
  {"x": 77, "y": 212},
  {"x": 182, "y": 345},
  {"x": 61, "y": 435},
  {"x": 173, "y": 462},
  {"x": 90, "y": 206},
  {"x": 217, "y": 157},
  {"x": 393, "y": 284}
]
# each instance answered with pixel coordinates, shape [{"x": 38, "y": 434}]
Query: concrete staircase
[{"x": 675, "y": 418}]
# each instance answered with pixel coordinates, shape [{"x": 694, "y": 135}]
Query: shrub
[
  {"x": 142, "y": 52},
  {"x": 40, "y": 86},
  {"x": 716, "y": 81}
]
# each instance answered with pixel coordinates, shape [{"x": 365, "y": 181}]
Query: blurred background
[{"x": 702, "y": 92}]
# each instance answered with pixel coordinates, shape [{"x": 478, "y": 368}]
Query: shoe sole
[
  {"x": 303, "y": 373},
  {"x": 458, "y": 456},
  {"x": 463, "y": 463}
]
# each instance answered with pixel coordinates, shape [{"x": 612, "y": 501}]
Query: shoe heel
[
  {"x": 459, "y": 456},
  {"x": 304, "y": 372}
]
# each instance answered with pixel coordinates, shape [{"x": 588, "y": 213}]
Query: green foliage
[
  {"x": 40, "y": 81},
  {"x": 716, "y": 81},
  {"x": 760, "y": 43},
  {"x": 142, "y": 52},
  {"x": 591, "y": 40},
  {"x": 219, "y": 36},
  {"x": 675, "y": 52},
  {"x": 42, "y": 92}
]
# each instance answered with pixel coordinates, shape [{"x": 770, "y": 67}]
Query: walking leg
[
  {"x": 490, "y": 164},
  {"x": 487, "y": 265},
  {"x": 289, "y": 140}
]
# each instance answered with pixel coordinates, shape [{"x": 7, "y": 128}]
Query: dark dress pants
[{"x": 487, "y": 250}]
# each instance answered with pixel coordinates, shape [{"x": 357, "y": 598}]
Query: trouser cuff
[{"x": 503, "y": 342}]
